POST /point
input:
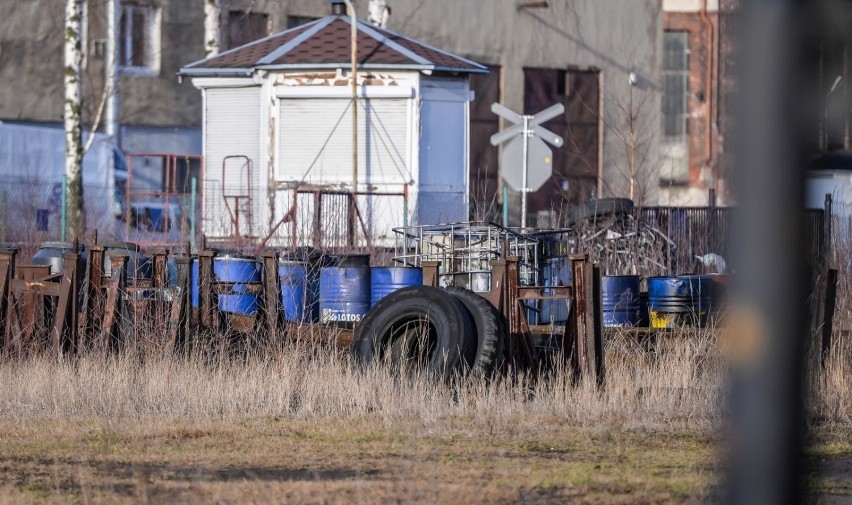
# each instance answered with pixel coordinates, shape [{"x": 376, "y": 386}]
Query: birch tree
[
  {"x": 212, "y": 33},
  {"x": 71, "y": 114}
]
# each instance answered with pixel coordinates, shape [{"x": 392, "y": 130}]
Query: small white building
[{"x": 278, "y": 136}]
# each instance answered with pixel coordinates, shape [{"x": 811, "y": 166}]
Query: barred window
[{"x": 676, "y": 83}]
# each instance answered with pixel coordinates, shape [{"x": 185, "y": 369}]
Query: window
[
  {"x": 294, "y": 21},
  {"x": 139, "y": 39},
  {"x": 245, "y": 27},
  {"x": 675, "y": 106}
]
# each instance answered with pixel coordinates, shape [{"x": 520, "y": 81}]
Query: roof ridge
[
  {"x": 254, "y": 43},
  {"x": 436, "y": 49},
  {"x": 295, "y": 41},
  {"x": 375, "y": 34}
]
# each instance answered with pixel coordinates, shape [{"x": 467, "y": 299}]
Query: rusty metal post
[
  {"x": 207, "y": 298},
  {"x": 317, "y": 224},
  {"x": 578, "y": 315},
  {"x": 93, "y": 297},
  {"x": 521, "y": 350},
  {"x": 586, "y": 319},
  {"x": 110, "y": 334},
  {"x": 179, "y": 316},
  {"x": 430, "y": 272},
  {"x": 7, "y": 271},
  {"x": 497, "y": 295},
  {"x": 65, "y": 319},
  {"x": 595, "y": 317},
  {"x": 271, "y": 294},
  {"x": 157, "y": 307}
]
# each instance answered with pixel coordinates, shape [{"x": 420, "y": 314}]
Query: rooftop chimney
[{"x": 338, "y": 7}]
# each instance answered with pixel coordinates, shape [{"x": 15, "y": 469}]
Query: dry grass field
[{"x": 300, "y": 424}]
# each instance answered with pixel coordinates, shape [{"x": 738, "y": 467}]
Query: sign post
[{"x": 532, "y": 175}]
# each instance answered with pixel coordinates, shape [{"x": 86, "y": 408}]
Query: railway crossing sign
[
  {"x": 527, "y": 163},
  {"x": 539, "y": 160}
]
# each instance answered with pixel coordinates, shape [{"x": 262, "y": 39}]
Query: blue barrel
[
  {"x": 386, "y": 280},
  {"x": 679, "y": 301},
  {"x": 231, "y": 269},
  {"x": 344, "y": 294},
  {"x": 298, "y": 291},
  {"x": 621, "y": 302},
  {"x": 239, "y": 271},
  {"x": 556, "y": 272}
]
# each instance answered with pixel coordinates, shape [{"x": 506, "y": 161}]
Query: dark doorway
[
  {"x": 484, "y": 173},
  {"x": 575, "y": 165}
]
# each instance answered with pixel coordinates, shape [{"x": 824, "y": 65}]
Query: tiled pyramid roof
[{"x": 324, "y": 44}]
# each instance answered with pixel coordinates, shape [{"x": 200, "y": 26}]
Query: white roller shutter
[
  {"x": 232, "y": 128},
  {"x": 315, "y": 139}
]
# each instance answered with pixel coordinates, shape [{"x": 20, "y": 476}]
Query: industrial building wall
[
  {"x": 31, "y": 58},
  {"x": 614, "y": 37}
]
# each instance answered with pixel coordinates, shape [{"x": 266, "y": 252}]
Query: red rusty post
[{"x": 7, "y": 270}]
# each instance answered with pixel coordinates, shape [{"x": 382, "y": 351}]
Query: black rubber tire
[
  {"x": 603, "y": 207},
  {"x": 451, "y": 331},
  {"x": 490, "y": 331}
]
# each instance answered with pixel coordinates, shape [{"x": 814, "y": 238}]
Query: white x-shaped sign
[{"x": 534, "y": 124}]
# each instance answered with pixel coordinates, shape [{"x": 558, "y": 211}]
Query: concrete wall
[{"x": 614, "y": 36}]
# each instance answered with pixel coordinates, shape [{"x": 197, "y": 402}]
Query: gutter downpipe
[{"x": 708, "y": 139}]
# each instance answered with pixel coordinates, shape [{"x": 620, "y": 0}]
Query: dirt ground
[{"x": 364, "y": 461}]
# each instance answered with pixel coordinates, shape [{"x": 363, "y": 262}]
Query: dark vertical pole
[
  {"x": 769, "y": 324},
  {"x": 826, "y": 245}
]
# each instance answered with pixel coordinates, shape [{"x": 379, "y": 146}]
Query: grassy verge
[{"x": 347, "y": 461}]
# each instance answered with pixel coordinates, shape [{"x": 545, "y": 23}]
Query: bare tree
[
  {"x": 212, "y": 32},
  {"x": 73, "y": 130}
]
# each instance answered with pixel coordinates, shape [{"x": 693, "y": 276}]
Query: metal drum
[
  {"x": 298, "y": 291},
  {"x": 621, "y": 303},
  {"x": 386, "y": 280},
  {"x": 240, "y": 271},
  {"x": 556, "y": 272},
  {"x": 195, "y": 297},
  {"x": 350, "y": 260},
  {"x": 50, "y": 253},
  {"x": 137, "y": 265},
  {"x": 344, "y": 294},
  {"x": 675, "y": 302},
  {"x": 719, "y": 285}
]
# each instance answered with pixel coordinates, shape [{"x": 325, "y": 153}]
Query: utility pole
[
  {"x": 525, "y": 167},
  {"x": 354, "y": 56},
  {"x": 71, "y": 116}
]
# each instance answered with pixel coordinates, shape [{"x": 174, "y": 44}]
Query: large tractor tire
[
  {"x": 418, "y": 328},
  {"x": 490, "y": 331}
]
